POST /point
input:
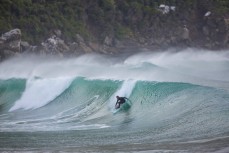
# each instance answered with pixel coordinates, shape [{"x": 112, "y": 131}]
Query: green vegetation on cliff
[{"x": 96, "y": 19}]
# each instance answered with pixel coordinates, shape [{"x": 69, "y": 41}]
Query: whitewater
[{"x": 180, "y": 102}]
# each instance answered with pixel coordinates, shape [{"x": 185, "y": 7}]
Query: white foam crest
[
  {"x": 40, "y": 92},
  {"x": 125, "y": 91}
]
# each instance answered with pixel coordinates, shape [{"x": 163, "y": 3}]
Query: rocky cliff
[{"x": 74, "y": 27}]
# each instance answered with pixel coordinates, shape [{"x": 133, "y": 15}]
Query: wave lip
[{"x": 40, "y": 92}]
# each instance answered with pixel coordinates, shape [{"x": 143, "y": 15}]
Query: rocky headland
[{"x": 71, "y": 28}]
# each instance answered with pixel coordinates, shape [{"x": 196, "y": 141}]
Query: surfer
[{"x": 120, "y": 100}]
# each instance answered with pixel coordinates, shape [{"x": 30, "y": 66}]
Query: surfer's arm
[{"x": 117, "y": 102}]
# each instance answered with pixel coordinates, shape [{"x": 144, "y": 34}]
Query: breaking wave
[{"x": 175, "y": 96}]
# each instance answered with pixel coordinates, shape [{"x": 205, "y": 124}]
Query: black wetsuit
[{"x": 120, "y": 100}]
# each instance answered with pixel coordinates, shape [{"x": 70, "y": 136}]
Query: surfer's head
[{"x": 117, "y": 96}]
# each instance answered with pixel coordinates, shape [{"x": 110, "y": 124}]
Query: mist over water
[
  {"x": 141, "y": 66},
  {"x": 180, "y": 97}
]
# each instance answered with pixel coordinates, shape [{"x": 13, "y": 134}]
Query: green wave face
[
  {"x": 10, "y": 91},
  {"x": 91, "y": 102}
]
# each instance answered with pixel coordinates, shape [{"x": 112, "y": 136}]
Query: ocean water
[{"x": 180, "y": 103}]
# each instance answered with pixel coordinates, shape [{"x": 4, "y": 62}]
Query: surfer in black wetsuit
[{"x": 120, "y": 100}]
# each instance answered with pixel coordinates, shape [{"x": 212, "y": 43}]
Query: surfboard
[{"x": 124, "y": 107}]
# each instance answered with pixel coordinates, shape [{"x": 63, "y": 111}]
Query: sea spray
[{"x": 124, "y": 91}]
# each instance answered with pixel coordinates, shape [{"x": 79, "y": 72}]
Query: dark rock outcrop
[
  {"x": 10, "y": 43},
  {"x": 54, "y": 46}
]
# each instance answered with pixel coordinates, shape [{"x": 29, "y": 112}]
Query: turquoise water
[{"x": 180, "y": 103}]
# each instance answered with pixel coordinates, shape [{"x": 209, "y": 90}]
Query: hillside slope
[{"x": 120, "y": 23}]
